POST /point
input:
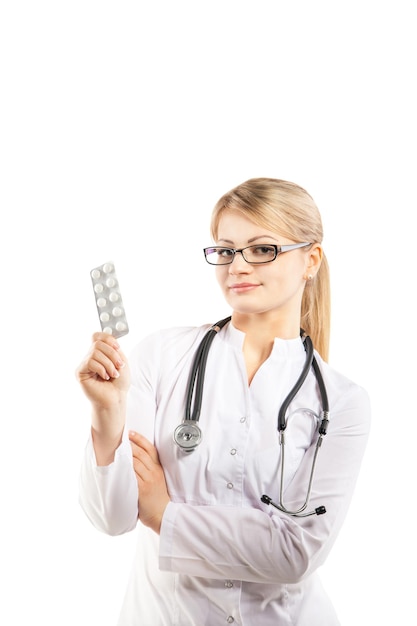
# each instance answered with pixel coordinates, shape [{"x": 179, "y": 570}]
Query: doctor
[{"x": 209, "y": 550}]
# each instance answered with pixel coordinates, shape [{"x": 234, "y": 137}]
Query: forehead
[{"x": 234, "y": 227}]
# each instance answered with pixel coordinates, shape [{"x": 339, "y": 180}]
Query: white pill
[{"x": 109, "y": 300}]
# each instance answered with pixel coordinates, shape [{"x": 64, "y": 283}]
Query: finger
[
  {"x": 98, "y": 365},
  {"x": 108, "y": 344},
  {"x": 109, "y": 358},
  {"x": 106, "y": 338},
  {"x": 143, "y": 443},
  {"x": 109, "y": 347},
  {"x": 141, "y": 470},
  {"x": 141, "y": 458},
  {"x": 98, "y": 369},
  {"x": 144, "y": 467},
  {"x": 106, "y": 351}
]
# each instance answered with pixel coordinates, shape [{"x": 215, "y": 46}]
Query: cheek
[
  {"x": 293, "y": 281},
  {"x": 221, "y": 274},
  {"x": 289, "y": 278},
  {"x": 293, "y": 268}
]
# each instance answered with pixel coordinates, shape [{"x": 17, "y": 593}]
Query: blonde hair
[{"x": 282, "y": 206}]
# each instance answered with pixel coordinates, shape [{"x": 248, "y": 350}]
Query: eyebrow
[{"x": 251, "y": 240}]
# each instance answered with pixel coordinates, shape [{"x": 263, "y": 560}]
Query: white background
[{"x": 121, "y": 125}]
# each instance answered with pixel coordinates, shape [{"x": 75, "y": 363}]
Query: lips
[{"x": 242, "y": 287}]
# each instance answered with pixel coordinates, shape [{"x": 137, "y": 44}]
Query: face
[{"x": 274, "y": 288}]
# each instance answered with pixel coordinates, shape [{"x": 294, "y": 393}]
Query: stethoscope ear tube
[
  {"x": 324, "y": 399},
  {"x": 188, "y": 434},
  {"x": 308, "y": 346},
  {"x": 198, "y": 370}
]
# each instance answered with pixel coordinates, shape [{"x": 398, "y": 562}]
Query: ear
[{"x": 313, "y": 260}]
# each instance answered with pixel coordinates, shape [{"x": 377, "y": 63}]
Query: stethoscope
[{"x": 188, "y": 434}]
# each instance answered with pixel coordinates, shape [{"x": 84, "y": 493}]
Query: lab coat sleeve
[
  {"x": 109, "y": 494},
  {"x": 260, "y": 544}
]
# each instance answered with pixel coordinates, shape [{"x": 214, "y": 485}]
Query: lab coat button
[
  {"x": 233, "y": 451},
  {"x": 230, "y": 619},
  {"x": 228, "y": 584},
  {"x": 230, "y": 485},
  {"x": 243, "y": 419}
]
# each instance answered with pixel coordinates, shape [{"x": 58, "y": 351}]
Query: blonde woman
[{"x": 236, "y": 458}]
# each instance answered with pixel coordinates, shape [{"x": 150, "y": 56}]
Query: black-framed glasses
[{"x": 255, "y": 255}]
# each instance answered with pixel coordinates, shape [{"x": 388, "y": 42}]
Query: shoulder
[
  {"x": 345, "y": 395},
  {"x": 163, "y": 341}
]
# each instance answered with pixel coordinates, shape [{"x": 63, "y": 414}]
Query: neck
[
  {"x": 261, "y": 330},
  {"x": 265, "y": 327}
]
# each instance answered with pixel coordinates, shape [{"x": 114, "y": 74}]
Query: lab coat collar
[{"x": 283, "y": 349}]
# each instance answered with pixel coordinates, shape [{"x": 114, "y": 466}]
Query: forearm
[
  {"x": 107, "y": 430},
  {"x": 254, "y": 545},
  {"x": 219, "y": 542}
]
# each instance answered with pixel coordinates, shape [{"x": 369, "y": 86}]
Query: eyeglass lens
[{"x": 251, "y": 254}]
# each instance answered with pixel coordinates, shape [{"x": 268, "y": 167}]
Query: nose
[{"x": 239, "y": 265}]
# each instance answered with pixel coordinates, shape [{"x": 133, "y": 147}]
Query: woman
[{"x": 211, "y": 550}]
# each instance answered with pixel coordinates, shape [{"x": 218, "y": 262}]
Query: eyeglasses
[{"x": 255, "y": 255}]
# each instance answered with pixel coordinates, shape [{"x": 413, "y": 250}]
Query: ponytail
[{"x": 315, "y": 309}]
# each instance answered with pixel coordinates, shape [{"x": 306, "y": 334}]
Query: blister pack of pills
[{"x": 109, "y": 301}]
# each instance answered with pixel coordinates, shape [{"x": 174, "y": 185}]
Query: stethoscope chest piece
[{"x": 187, "y": 435}]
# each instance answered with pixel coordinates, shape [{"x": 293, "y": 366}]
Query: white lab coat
[{"x": 224, "y": 557}]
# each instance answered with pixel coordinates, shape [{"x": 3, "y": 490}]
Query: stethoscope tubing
[
  {"x": 198, "y": 371},
  {"x": 188, "y": 434}
]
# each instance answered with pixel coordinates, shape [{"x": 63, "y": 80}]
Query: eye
[
  {"x": 266, "y": 251},
  {"x": 224, "y": 252}
]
